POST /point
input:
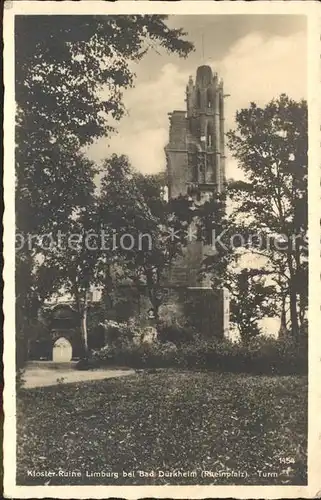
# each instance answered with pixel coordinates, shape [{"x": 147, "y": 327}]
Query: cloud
[
  {"x": 255, "y": 68},
  {"x": 144, "y": 147},
  {"x": 151, "y": 100},
  {"x": 258, "y": 69},
  {"x": 142, "y": 135}
]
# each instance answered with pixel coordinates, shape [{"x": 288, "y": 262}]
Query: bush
[
  {"x": 144, "y": 355},
  {"x": 175, "y": 333},
  {"x": 261, "y": 356},
  {"x": 19, "y": 379},
  {"x": 118, "y": 333},
  {"x": 213, "y": 354}
]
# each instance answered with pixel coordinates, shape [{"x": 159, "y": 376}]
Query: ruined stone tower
[
  {"x": 196, "y": 161},
  {"x": 195, "y": 152},
  {"x": 196, "y": 168}
]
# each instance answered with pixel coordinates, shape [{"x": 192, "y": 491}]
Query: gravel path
[{"x": 43, "y": 374}]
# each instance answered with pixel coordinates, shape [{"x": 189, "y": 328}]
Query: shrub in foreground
[
  {"x": 262, "y": 356},
  {"x": 176, "y": 333},
  {"x": 143, "y": 355}
]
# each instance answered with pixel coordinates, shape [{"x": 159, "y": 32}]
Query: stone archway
[{"x": 62, "y": 351}]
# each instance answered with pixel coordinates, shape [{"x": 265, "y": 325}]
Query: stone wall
[
  {"x": 200, "y": 307},
  {"x": 177, "y": 159},
  {"x": 178, "y": 130},
  {"x": 178, "y": 173},
  {"x": 186, "y": 268}
]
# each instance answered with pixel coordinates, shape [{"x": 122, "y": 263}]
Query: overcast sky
[{"x": 258, "y": 57}]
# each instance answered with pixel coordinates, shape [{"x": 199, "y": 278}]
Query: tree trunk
[
  {"x": 293, "y": 299},
  {"x": 282, "y": 330},
  {"x": 302, "y": 286},
  {"x": 294, "y": 312},
  {"x": 302, "y": 310},
  {"x": 108, "y": 287},
  {"x": 151, "y": 291},
  {"x": 83, "y": 325}
]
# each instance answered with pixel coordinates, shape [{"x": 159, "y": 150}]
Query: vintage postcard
[{"x": 161, "y": 248}]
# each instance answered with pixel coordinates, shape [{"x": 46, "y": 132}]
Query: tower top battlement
[{"x": 204, "y": 76}]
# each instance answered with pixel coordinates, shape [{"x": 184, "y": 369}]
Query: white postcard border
[{"x": 312, "y": 11}]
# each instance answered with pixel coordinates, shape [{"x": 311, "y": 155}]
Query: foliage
[
  {"x": 33, "y": 341},
  {"x": 118, "y": 333},
  {"x": 96, "y": 336},
  {"x": 76, "y": 261},
  {"x": 138, "y": 355},
  {"x": 62, "y": 66},
  {"x": 261, "y": 356},
  {"x": 251, "y": 300},
  {"x": 269, "y": 208},
  {"x": 100, "y": 254},
  {"x": 69, "y": 80},
  {"x": 19, "y": 379},
  {"x": 175, "y": 333},
  {"x": 170, "y": 420},
  {"x": 144, "y": 248},
  {"x": 271, "y": 146}
]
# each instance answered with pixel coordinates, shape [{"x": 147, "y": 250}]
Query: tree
[
  {"x": 65, "y": 187},
  {"x": 70, "y": 71},
  {"x": 251, "y": 300},
  {"x": 270, "y": 207},
  {"x": 253, "y": 291},
  {"x": 149, "y": 229},
  {"x": 120, "y": 234},
  {"x": 69, "y": 79}
]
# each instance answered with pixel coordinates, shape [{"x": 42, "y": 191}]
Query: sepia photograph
[{"x": 157, "y": 172}]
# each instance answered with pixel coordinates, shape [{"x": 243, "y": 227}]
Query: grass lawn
[{"x": 167, "y": 421}]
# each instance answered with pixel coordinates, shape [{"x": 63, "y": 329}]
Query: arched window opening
[
  {"x": 198, "y": 98},
  {"x": 209, "y": 136},
  {"x": 195, "y": 173},
  {"x": 209, "y": 99},
  {"x": 62, "y": 350}
]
